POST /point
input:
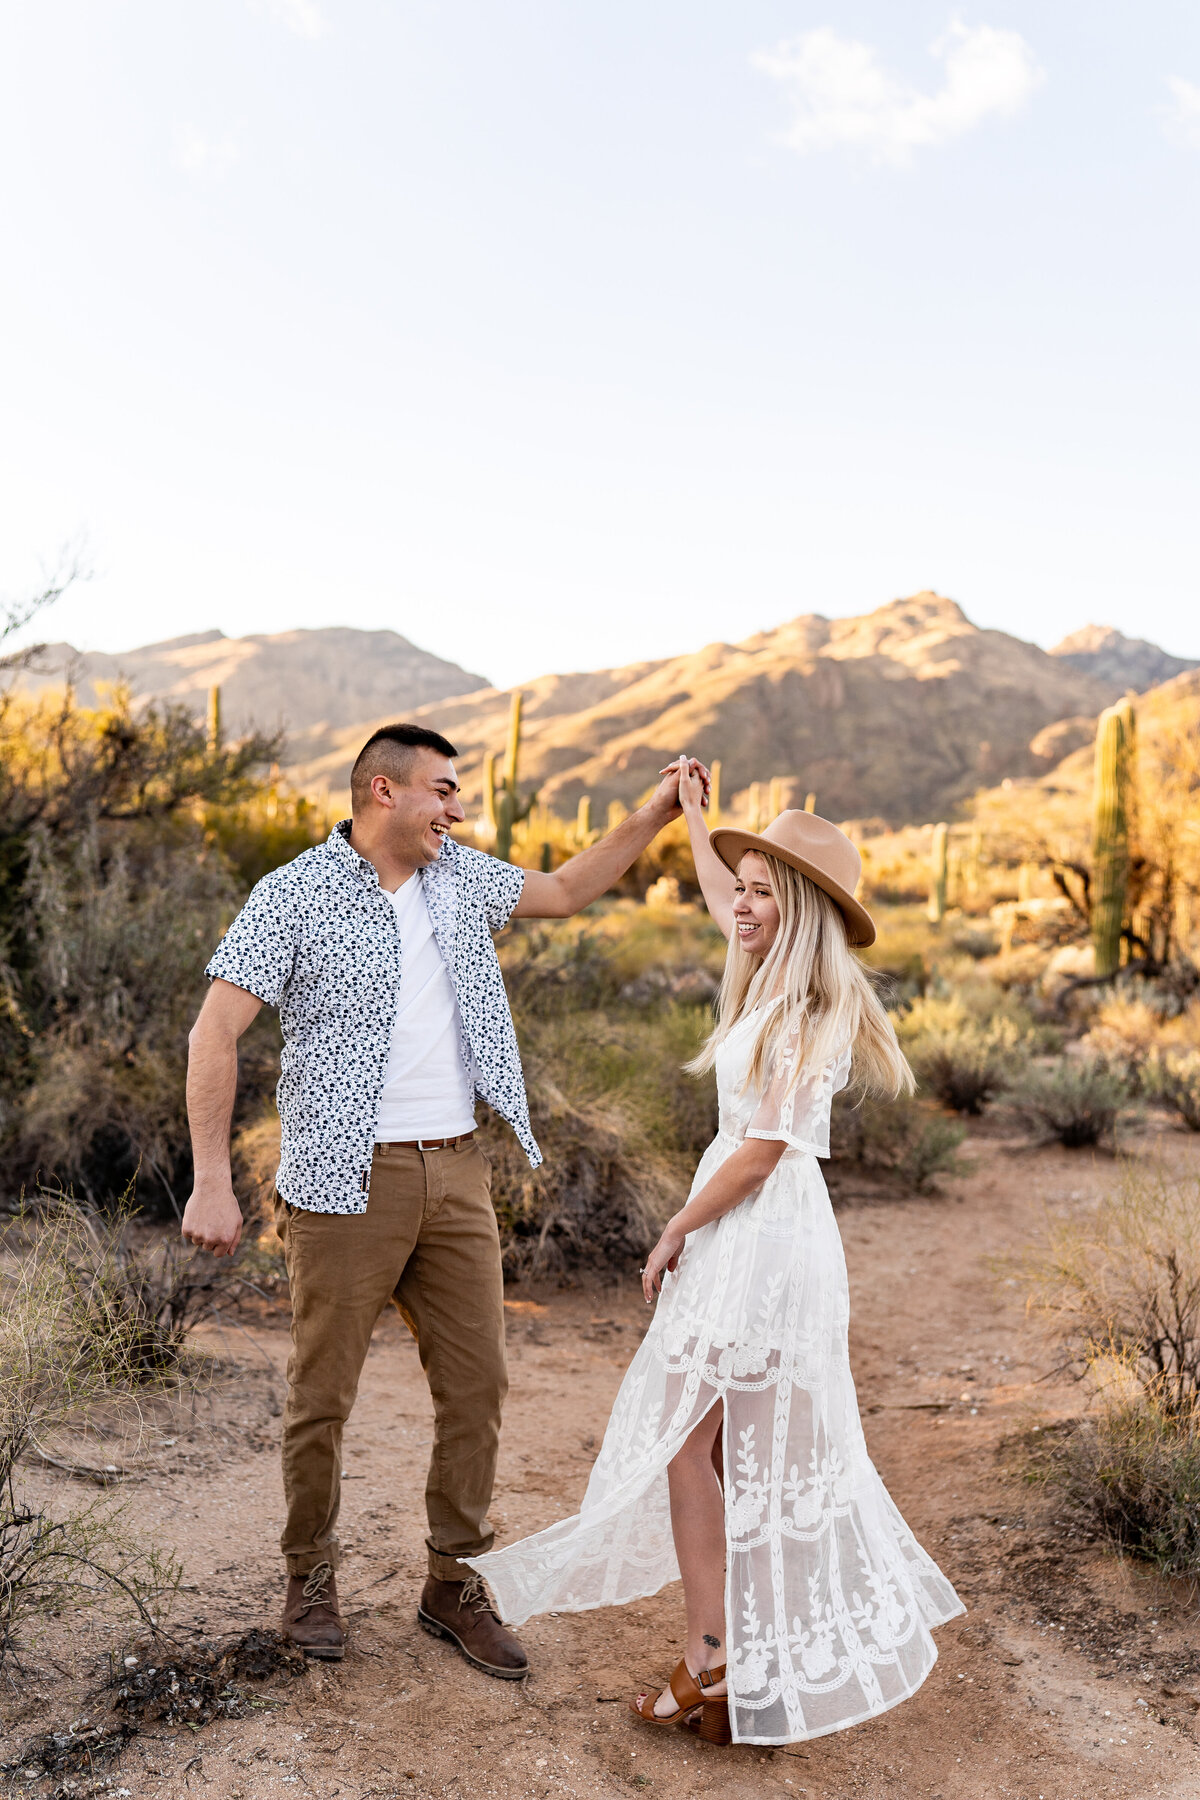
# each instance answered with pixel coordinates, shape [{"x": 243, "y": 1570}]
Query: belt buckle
[{"x": 432, "y": 1143}]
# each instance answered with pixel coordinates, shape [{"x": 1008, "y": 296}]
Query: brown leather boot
[
  {"x": 462, "y": 1612},
  {"x": 310, "y": 1614}
]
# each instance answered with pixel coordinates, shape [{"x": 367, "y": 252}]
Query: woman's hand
[
  {"x": 694, "y": 783},
  {"x": 662, "y": 1260},
  {"x": 693, "y": 788}
]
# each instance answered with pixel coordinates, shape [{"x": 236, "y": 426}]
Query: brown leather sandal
[
  {"x": 687, "y": 1691},
  {"x": 711, "y": 1724}
]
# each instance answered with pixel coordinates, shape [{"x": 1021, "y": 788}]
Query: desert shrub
[
  {"x": 145, "y": 1297},
  {"x": 901, "y": 1137},
  {"x": 73, "y": 1358},
  {"x": 263, "y": 831},
  {"x": 621, "y": 1128},
  {"x": 1133, "y": 1472},
  {"x": 1173, "y": 1078},
  {"x": 1075, "y": 1102},
  {"x": 968, "y": 1042},
  {"x": 966, "y": 1066},
  {"x": 112, "y": 894},
  {"x": 975, "y": 940},
  {"x": 903, "y": 951},
  {"x": 548, "y": 973},
  {"x": 1120, "y": 1291},
  {"x": 118, "y": 936}
]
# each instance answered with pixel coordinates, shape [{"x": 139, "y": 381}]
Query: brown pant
[{"x": 428, "y": 1241}]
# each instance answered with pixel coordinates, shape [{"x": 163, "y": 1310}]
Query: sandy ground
[{"x": 1074, "y": 1676}]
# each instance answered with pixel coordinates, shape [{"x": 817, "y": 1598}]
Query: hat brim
[{"x": 731, "y": 845}]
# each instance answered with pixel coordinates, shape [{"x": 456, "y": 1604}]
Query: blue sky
[{"x": 556, "y": 335}]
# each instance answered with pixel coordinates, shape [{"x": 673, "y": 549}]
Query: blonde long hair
[{"x": 827, "y": 995}]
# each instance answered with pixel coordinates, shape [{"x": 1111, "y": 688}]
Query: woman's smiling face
[{"x": 755, "y": 908}]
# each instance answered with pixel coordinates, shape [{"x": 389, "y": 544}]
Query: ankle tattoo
[{"x": 712, "y": 1642}]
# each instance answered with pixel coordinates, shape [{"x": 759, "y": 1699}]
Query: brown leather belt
[{"x": 430, "y": 1143}]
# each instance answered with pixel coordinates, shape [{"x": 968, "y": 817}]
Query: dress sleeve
[{"x": 800, "y": 1118}]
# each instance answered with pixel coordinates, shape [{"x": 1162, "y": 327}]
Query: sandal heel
[{"x": 713, "y": 1726}]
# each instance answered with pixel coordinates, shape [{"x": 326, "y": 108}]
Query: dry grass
[
  {"x": 1120, "y": 1295},
  {"x": 1121, "y": 1290},
  {"x": 86, "y": 1330}
]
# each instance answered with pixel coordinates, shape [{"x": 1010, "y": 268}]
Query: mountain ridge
[
  {"x": 900, "y": 713},
  {"x": 896, "y": 713},
  {"x": 307, "y": 681}
]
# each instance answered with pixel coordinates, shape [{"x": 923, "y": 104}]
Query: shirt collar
[{"x": 338, "y": 845}]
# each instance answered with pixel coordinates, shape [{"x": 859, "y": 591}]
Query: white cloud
[
  {"x": 301, "y": 16},
  {"x": 843, "y": 95},
  {"x": 1182, "y": 117},
  {"x": 198, "y": 153}
]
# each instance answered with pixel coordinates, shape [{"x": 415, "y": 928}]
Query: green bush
[
  {"x": 967, "y": 1045},
  {"x": 968, "y": 1066},
  {"x": 1134, "y": 1473},
  {"x": 901, "y": 1137},
  {"x": 1173, "y": 1078},
  {"x": 1075, "y": 1102},
  {"x": 621, "y": 1128}
]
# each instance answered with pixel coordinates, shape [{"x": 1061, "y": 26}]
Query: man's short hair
[{"x": 392, "y": 751}]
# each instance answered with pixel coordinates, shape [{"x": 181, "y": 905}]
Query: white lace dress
[{"x": 829, "y": 1599}]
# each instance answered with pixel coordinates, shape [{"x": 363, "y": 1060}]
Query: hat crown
[{"x": 819, "y": 842}]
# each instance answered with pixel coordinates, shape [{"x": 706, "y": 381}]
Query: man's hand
[
  {"x": 665, "y": 798},
  {"x": 212, "y": 1218}
]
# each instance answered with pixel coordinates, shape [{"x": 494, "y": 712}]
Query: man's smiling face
[{"x": 423, "y": 809}]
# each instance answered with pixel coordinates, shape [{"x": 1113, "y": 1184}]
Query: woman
[{"x": 809, "y": 1603}]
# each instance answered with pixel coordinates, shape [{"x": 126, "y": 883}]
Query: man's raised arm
[
  {"x": 600, "y": 867},
  {"x": 212, "y": 1218}
]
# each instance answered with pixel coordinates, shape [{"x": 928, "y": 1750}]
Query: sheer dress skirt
[{"x": 829, "y": 1599}]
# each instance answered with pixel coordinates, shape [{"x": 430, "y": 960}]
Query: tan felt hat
[{"x": 815, "y": 847}]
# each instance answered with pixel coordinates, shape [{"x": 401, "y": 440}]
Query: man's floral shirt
[{"x": 318, "y": 939}]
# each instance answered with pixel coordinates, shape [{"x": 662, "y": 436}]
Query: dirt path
[{"x": 1073, "y": 1676}]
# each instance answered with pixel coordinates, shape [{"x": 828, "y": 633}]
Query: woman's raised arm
[{"x": 716, "y": 881}]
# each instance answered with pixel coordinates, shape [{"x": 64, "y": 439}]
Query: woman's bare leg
[{"x": 698, "y": 1525}]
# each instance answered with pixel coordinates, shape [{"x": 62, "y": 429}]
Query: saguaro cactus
[
  {"x": 810, "y": 802},
  {"x": 489, "y": 792},
  {"x": 938, "y": 872},
  {"x": 974, "y": 859},
  {"x": 583, "y": 820},
  {"x": 213, "y": 735},
  {"x": 1110, "y": 833},
  {"x": 714, "y": 794},
  {"x": 775, "y": 798},
  {"x": 507, "y": 805},
  {"x": 754, "y": 807}
]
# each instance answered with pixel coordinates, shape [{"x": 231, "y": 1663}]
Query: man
[{"x": 376, "y": 948}]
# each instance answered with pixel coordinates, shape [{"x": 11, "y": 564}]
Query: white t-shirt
[{"x": 427, "y": 1093}]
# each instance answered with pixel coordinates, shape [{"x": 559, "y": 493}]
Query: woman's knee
[{"x": 697, "y": 1447}]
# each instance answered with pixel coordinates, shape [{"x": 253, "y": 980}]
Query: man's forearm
[
  {"x": 600, "y": 867},
  {"x": 211, "y": 1087}
]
